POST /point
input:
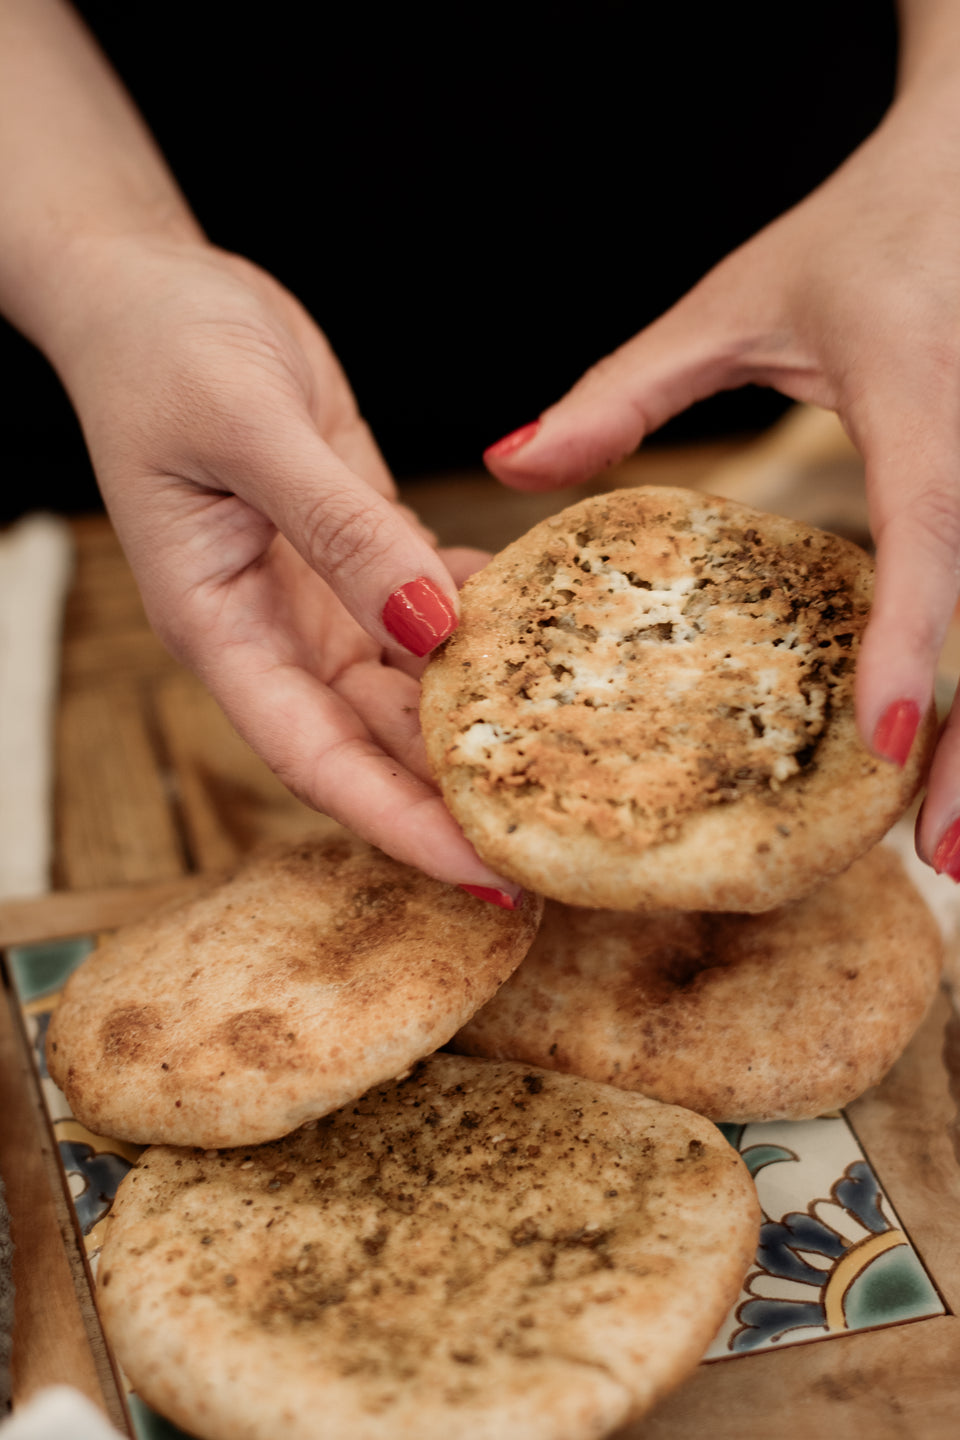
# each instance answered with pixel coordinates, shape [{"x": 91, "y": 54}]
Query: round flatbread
[
  {"x": 477, "y": 1250},
  {"x": 649, "y": 702},
  {"x": 317, "y": 971},
  {"x": 781, "y": 1016}
]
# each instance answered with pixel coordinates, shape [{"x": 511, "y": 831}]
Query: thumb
[
  {"x": 908, "y": 443},
  {"x": 382, "y": 569},
  {"x": 687, "y": 354}
]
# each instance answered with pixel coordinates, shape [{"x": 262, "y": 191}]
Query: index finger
[{"x": 913, "y": 482}]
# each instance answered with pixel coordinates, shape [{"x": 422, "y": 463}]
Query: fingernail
[
  {"x": 896, "y": 731},
  {"x": 503, "y": 898},
  {"x": 512, "y": 442},
  {"x": 419, "y": 616},
  {"x": 946, "y": 857}
]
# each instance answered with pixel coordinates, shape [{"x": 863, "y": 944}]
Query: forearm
[
  {"x": 929, "y": 49},
  {"x": 78, "y": 169}
]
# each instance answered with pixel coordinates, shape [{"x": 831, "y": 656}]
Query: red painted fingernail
[
  {"x": 503, "y": 898},
  {"x": 512, "y": 442},
  {"x": 419, "y": 615},
  {"x": 946, "y": 857},
  {"x": 896, "y": 731}
]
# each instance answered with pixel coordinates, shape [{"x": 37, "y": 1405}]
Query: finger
[
  {"x": 914, "y": 494},
  {"x": 690, "y": 352},
  {"x": 387, "y": 700},
  {"x": 383, "y": 569},
  {"x": 462, "y": 562},
  {"x": 331, "y": 402},
  {"x": 938, "y": 824},
  {"x": 353, "y": 442},
  {"x": 321, "y": 749},
  {"x": 413, "y": 519}
]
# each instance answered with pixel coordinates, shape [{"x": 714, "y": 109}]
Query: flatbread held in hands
[
  {"x": 477, "y": 1250},
  {"x": 649, "y": 703},
  {"x": 316, "y": 971}
]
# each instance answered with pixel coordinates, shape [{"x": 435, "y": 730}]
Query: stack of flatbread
[
  {"x": 648, "y": 709},
  {"x": 339, "y": 1232},
  {"x": 647, "y": 716}
]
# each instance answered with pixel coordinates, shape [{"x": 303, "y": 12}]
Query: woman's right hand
[{"x": 264, "y": 531}]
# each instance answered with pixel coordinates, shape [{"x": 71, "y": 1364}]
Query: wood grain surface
[{"x": 57, "y": 1336}]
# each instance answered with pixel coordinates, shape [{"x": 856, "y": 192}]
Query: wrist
[
  {"x": 929, "y": 47},
  {"x": 83, "y": 284},
  {"x": 919, "y": 137}
]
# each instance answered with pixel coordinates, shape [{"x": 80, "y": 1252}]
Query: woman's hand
[
  {"x": 263, "y": 528},
  {"x": 851, "y": 302},
  {"x": 258, "y": 515}
]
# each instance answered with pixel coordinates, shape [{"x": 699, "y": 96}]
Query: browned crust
[
  {"x": 779, "y": 1016},
  {"x": 479, "y": 1249},
  {"x": 316, "y": 971},
  {"x": 649, "y": 702}
]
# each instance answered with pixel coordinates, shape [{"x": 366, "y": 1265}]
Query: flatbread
[
  {"x": 317, "y": 971},
  {"x": 478, "y": 1250},
  {"x": 781, "y": 1016},
  {"x": 649, "y": 703}
]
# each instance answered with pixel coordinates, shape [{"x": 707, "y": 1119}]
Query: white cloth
[
  {"x": 35, "y": 564},
  {"x": 59, "y": 1413}
]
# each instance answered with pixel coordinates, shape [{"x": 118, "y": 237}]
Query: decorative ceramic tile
[
  {"x": 148, "y": 1425},
  {"x": 832, "y": 1258}
]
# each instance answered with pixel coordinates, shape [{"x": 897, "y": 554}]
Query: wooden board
[
  {"x": 57, "y": 1337},
  {"x": 118, "y": 826},
  {"x": 229, "y": 800},
  {"x": 83, "y": 912}
]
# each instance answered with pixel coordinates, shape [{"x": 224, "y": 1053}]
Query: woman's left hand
[{"x": 851, "y": 301}]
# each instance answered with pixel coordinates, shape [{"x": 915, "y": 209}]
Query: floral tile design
[{"x": 832, "y": 1257}]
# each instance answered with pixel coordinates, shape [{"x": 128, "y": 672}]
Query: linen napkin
[
  {"x": 35, "y": 562},
  {"x": 59, "y": 1413},
  {"x": 35, "y": 566}
]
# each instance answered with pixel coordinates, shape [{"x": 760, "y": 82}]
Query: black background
[{"x": 475, "y": 202}]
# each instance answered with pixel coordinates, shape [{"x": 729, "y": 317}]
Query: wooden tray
[{"x": 57, "y": 1334}]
